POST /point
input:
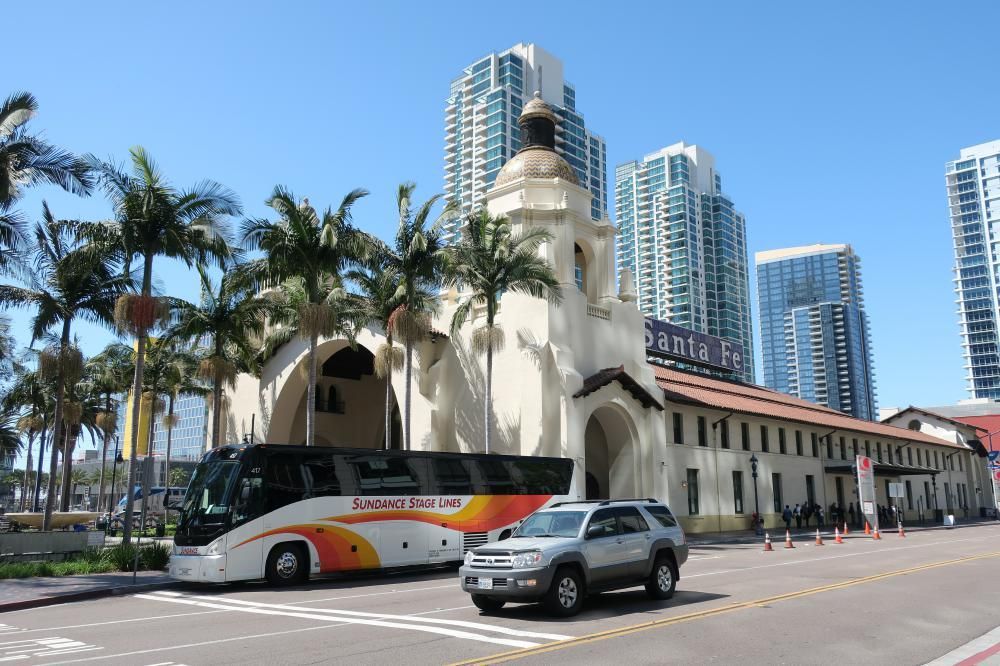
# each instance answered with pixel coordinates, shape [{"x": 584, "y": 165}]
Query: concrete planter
[{"x": 47, "y": 545}]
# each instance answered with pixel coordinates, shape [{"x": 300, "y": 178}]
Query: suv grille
[{"x": 498, "y": 560}]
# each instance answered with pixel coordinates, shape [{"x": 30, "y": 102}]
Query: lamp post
[
  {"x": 756, "y": 498},
  {"x": 114, "y": 470}
]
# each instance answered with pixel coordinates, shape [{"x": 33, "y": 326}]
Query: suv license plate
[{"x": 485, "y": 583}]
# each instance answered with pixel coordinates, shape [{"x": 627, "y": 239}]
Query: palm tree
[
  {"x": 230, "y": 319},
  {"x": 111, "y": 373},
  {"x": 32, "y": 397},
  {"x": 69, "y": 281},
  {"x": 179, "y": 381},
  {"x": 417, "y": 256},
  {"x": 83, "y": 408},
  {"x": 308, "y": 253},
  {"x": 29, "y": 425},
  {"x": 26, "y": 160},
  {"x": 488, "y": 261},
  {"x": 155, "y": 219}
]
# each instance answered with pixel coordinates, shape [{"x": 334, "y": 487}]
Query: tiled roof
[
  {"x": 985, "y": 424},
  {"x": 608, "y": 375},
  {"x": 927, "y": 412},
  {"x": 698, "y": 389}
]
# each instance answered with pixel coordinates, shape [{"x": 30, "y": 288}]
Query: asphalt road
[{"x": 898, "y": 601}]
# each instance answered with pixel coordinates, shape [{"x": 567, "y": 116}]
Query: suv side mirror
[{"x": 595, "y": 531}]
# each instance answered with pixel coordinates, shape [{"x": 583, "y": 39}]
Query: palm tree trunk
[
  {"x": 27, "y": 469},
  {"x": 57, "y": 431},
  {"x": 488, "y": 401},
  {"x": 388, "y": 408},
  {"x": 140, "y": 363},
  {"x": 104, "y": 456},
  {"x": 311, "y": 393},
  {"x": 166, "y": 462},
  {"x": 67, "y": 468},
  {"x": 216, "y": 412},
  {"x": 37, "y": 493},
  {"x": 406, "y": 393}
]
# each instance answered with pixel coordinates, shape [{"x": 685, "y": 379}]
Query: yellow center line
[{"x": 631, "y": 629}]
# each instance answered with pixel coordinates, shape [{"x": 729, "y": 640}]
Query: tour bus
[
  {"x": 159, "y": 498},
  {"x": 284, "y": 512}
]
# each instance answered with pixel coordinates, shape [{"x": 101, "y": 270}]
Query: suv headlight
[
  {"x": 468, "y": 558},
  {"x": 524, "y": 560}
]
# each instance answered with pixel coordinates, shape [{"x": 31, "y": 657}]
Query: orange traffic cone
[
  {"x": 767, "y": 543},
  {"x": 901, "y": 532},
  {"x": 868, "y": 529},
  {"x": 836, "y": 535},
  {"x": 788, "y": 540},
  {"x": 875, "y": 534},
  {"x": 819, "y": 538},
  {"x": 845, "y": 530}
]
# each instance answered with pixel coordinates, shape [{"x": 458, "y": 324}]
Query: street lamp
[
  {"x": 114, "y": 470},
  {"x": 756, "y": 498}
]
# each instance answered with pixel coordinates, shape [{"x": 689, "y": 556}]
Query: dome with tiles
[{"x": 538, "y": 157}]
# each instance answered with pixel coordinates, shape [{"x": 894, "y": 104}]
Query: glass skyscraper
[
  {"x": 685, "y": 244},
  {"x": 813, "y": 328},
  {"x": 973, "y": 184},
  {"x": 482, "y": 132},
  {"x": 190, "y": 435}
]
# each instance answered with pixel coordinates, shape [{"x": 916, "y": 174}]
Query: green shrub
[
  {"x": 155, "y": 557},
  {"x": 121, "y": 557}
]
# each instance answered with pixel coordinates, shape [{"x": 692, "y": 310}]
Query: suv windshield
[
  {"x": 206, "y": 501},
  {"x": 552, "y": 523}
]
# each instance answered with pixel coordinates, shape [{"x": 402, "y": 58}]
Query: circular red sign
[
  {"x": 996, "y": 475},
  {"x": 866, "y": 463}
]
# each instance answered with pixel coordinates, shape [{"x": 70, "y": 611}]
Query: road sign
[
  {"x": 993, "y": 455},
  {"x": 866, "y": 488}
]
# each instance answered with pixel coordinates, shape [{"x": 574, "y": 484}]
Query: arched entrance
[
  {"x": 350, "y": 401},
  {"x": 610, "y": 444}
]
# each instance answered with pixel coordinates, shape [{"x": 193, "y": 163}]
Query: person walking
[
  {"x": 797, "y": 512},
  {"x": 786, "y": 516},
  {"x": 819, "y": 516},
  {"x": 850, "y": 512}
]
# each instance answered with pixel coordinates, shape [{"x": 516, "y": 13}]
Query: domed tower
[{"x": 538, "y": 188}]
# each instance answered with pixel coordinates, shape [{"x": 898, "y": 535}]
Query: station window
[
  {"x": 763, "y": 439},
  {"x": 724, "y": 434},
  {"x": 702, "y": 432},
  {"x": 781, "y": 441},
  {"x": 961, "y": 467},
  {"x": 798, "y": 442},
  {"x": 868, "y": 449},
  {"x": 909, "y": 459},
  {"x": 855, "y": 446},
  {"x": 829, "y": 446},
  {"x": 909, "y": 495},
  {"x": 843, "y": 451},
  {"x": 745, "y": 433},
  {"x": 776, "y": 491},
  {"x": 814, "y": 440},
  {"x": 692, "y": 484},
  {"x": 678, "y": 428},
  {"x": 738, "y": 492}
]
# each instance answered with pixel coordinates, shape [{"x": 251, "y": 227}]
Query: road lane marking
[
  {"x": 452, "y": 633},
  {"x": 42, "y": 647},
  {"x": 130, "y": 619},
  {"x": 973, "y": 652},
  {"x": 407, "y": 618},
  {"x": 698, "y": 615}
]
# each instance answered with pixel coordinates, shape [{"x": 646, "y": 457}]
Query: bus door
[
  {"x": 247, "y": 508},
  {"x": 394, "y": 478}
]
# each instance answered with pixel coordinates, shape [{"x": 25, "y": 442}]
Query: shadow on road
[
  {"x": 346, "y": 581},
  {"x": 609, "y": 605}
]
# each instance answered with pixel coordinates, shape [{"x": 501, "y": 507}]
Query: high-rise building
[
  {"x": 188, "y": 437},
  {"x": 685, "y": 244},
  {"x": 813, "y": 327},
  {"x": 482, "y": 132},
  {"x": 973, "y": 183}
]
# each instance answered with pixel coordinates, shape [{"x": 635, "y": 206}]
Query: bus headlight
[
  {"x": 468, "y": 558},
  {"x": 532, "y": 558},
  {"x": 216, "y": 547}
]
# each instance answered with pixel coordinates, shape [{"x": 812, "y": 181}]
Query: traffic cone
[
  {"x": 819, "y": 538},
  {"x": 901, "y": 532},
  {"x": 876, "y": 535},
  {"x": 845, "y": 530},
  {"x": 868, "y": 529},
  {"x": 836, "y": 535},
  {"x": 788, "y": 540},
  {"x": 767, "y": 543}
]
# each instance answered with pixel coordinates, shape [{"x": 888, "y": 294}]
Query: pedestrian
[
  {"x": 797, "y": 512},
  {"x": 850, "y": 512},
  {"x": 819, "y": 516},
  {"x": 786, "y": 516}
]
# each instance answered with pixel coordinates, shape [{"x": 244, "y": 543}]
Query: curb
[{"x": 84, "y": 596}]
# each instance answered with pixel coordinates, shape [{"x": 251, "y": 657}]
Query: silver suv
[{"x": 560, "y": 554}]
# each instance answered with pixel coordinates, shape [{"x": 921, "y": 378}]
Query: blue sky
[{"x": 829, "y": 122}]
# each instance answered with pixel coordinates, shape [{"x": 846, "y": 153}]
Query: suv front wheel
[
  {"x": 487, "y": 604},
  {"x": 663, "y": 579},
  {"x": 565, "y": 595}
]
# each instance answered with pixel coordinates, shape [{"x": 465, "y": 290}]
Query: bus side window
[
  {"x": 247, "y": 501},
  {"x": 451, "y": 477},
  {"x": 283, "y": 475},
  {"x": 496, "y": 479},
  {"x": 321, "y": 474}
]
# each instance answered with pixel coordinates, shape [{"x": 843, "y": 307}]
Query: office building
[
  {"x": 482, "y": 131},
  {"x": 973, "y": 184},
  {"x": 813, "y": 328},
  {"x": 685, "y": 244}
]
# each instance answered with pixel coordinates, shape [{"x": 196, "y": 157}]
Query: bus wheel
[{"x": 286, "y": 565}]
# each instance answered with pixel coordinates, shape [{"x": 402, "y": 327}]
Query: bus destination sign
[{"x": 687, "y": 346}]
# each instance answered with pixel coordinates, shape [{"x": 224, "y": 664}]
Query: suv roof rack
[{"x": 607, "y": 502}]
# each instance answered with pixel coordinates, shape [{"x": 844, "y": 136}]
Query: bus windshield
[{"x": 207, "y": 498}]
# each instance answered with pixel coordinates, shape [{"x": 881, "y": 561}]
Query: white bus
[
  {"x": 159, "y": 498},
  {"x": 284, "y": 512}
]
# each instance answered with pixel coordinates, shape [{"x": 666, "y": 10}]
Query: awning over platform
[{"x": 884, "y": 469}]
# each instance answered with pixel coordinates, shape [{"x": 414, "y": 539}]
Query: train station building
[{"x": 575, "y": 380}]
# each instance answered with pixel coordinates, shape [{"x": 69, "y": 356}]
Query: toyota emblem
[{"x": 489, "y": 561}]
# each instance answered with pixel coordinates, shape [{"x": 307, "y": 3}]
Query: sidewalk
[
  {"x": 22, "y": 593},
  {"x": 778, "y": 533}
]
